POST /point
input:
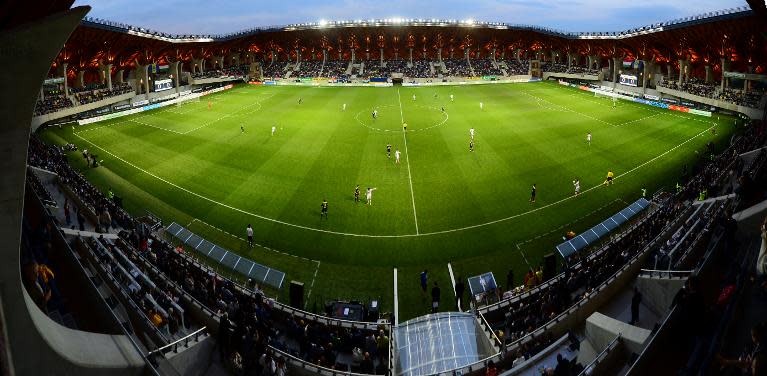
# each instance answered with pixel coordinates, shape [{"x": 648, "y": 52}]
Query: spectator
[
  {"x": 491, "y": 369},
  {"x": 367, "y": 366},
  {"x": 424, "y": 280}
]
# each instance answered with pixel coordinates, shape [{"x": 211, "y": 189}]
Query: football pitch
[{"x": 215, "y": 167}]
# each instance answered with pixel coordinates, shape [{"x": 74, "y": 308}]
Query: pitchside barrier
[
  {"x": 248, "y": 268},
  {"x": 566, "y": 249}
]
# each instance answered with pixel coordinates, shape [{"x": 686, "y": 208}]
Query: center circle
[{"x": 389, "y": 118}]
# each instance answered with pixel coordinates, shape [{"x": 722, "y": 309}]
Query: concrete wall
[
  {"x": 659, "y": 292},
  {"x": 195, "y": 360},
  {"x": 602, "y": 329},
  {"x": 39, "y": 346},
  {"x": 39, "y": 120}
]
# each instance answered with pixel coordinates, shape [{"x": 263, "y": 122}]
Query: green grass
[{"x": 192, "y": 164}]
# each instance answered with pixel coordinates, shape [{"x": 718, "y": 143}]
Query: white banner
[
  {"x": 161, "y": 85},
  {"x": 628, "y": 80}
]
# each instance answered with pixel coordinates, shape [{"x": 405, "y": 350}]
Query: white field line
[
  {"x": 452, "y": 280},
  {"x": 396, "y": 300},
  {"x": 309, "y": 294},
  {"x": 568, "y": 109},
  {"x": 258, "y": 103},
  {"x": 407, "y": 160},
  {"x": 154, "y": 126},
  {"x": 386, "y": 236}
]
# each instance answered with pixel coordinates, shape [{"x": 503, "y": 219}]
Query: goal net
[{"x": 196, "y": 99}]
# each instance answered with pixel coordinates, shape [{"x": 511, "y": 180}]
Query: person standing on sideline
[
  {"x": 249, "y": 231},
  {"x": 435, "y": 298},
  {"x": 324, "y": 209},
  {"x": 532, "y": 194},
  {"x": 424, "y": 280},
  {"x": 635, "y": 301},
  {"x": 459, "y": 289}
]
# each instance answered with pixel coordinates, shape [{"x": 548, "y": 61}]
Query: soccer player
[
  {"x": 577, "y": 185},
  {"x": 614, "y": 100},
  {"x": 344, "y": 107},
  {"x": 242, "y": 128},
  {"x": 396, "y": 156},
  {"x": 388, "y": 150},
  {"x": 375, "y": 114},
  {"x": 300, "y": 100},
  {"x": 471, "y": 145},
  {"x": 609, "y": 180},
  {"x": 369, "y": 195},
  {"x": 443, "y": 109},
  {"x": 588, "y": 138},
  {"x": 404, "y": 127},
  {"x": 413, "y": 97},
  {"x": 471, "y": 133},
  {"x": 274, "y": 129},
  {"x": 435, "y": 95},
  {"x": 210, "y": 104},
  {"x": 481, "y": 106},
  {"x": 357, "y": 193},
  {"x": 249, "y": 232},
  {"x": 324, "y": 209},
  {"x": 451, "y": 97},
  {"x": 532, "y": 194}
]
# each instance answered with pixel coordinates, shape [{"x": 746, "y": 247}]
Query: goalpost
[
  {"x": 607, "y": 95},
  {"x": 196, "y": 99}
]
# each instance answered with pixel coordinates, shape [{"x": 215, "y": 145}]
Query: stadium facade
[{"x": 113, "y": 68}]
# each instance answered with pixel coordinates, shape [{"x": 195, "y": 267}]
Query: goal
[{"x": 192, "y": 100}]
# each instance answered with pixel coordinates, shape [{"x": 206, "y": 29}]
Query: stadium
[{"x": 390, "y": 196}]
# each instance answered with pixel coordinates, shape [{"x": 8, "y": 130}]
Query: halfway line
[{"x": 407, "y": 160}]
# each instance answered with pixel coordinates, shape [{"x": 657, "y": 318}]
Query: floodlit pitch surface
[{"x": 442, "y": 203}]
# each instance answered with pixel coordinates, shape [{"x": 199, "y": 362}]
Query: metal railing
[
  {"x": 173, "y": 346},
  {"x": 602, "y": 355}
]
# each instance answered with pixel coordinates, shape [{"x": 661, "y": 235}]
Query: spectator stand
[{"x": 246, "y": 267}]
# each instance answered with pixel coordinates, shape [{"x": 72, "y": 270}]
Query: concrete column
[
  {"x": 569, "y": 60},
  {"x": 503, "y": 54},
  {"x": 298, "y": 55},
  {"x": 175, "y": 69},
  {"x": 725, "y": 66},
  {"x": 108, "y": 74},
  {"x": 80, "y": 79},
  {"x": 411, "y": 55},
  {"x": 687, "y": 70},
  {"x": 492, "y": 54},
  {"x": 439, "y": 54},
  {"x": 610, "y": 69},
  {"x": 451, "y": 53},
  {"x": 63, "y": 73},
  {"x": 381, "y": 55},
  {"x": 119, "y": 76},
  {"x": 646, "y": 75},
  {"x": 517, "y": 55},
  {"x": 353, "y": 56},
  {"x": 616, "y": 68},
  {"x": 681, "y": 71},
  {"x": 709, "y": 75}
]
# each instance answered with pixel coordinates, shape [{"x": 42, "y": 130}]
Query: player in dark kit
[
  {"x": 471, "y": 145},
  {"x": 532, "y": 194},
  {"x": 388, "y": 150},
  {"x": 300, "y": 100},
  {"x": 357, "y": 193},
  {"x": 324, "y": 209}
]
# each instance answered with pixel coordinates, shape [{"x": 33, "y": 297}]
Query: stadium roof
[
  {"x": 405, "y": 22},
  {"x": 440, "y": 342}
]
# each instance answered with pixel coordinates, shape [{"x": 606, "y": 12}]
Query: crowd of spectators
[
  {"x": 373, "y": 68},
  {"x": 577, "y": 69},
  {"x": 233, "y": 71},
  {"x": 693, "y": 86},
  {"x": 51, "y": 104},
  {"x": 457, "y": 67},
  {"x": 101, "y": 92},
  {"x": 419, "y": 69},
  {"x": 515, "y": 68},
  {"x": 275, "y": 70},
  {"x": 485, "y": 67},
  {"x": 748, "y": 99},
  {"x": 337, "y": 69},
  {"x": 309, "y": 68}
]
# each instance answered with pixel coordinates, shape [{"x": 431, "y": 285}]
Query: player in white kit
[
  {"x": 413, "y": 96},
  {"x": 274, "y": 129},
  {"x": 481, "y": 105},
  {"x": 471, "y": 133},
  {"x": 344, "y": 107},
  {"x": 588, "y": 138},
  {"x": 451, "y": 97},
  {"x": 577, "y": 185},
  {"x": 369, "y": 195},
  {"x": 396, "y": 156}
]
